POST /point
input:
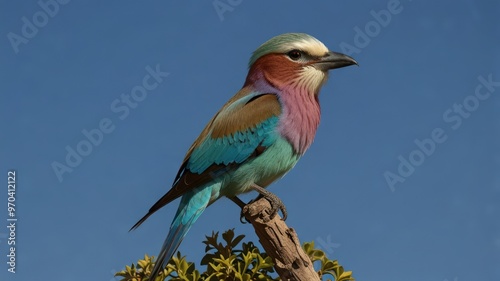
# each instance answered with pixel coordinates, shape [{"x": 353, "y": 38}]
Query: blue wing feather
[{"x": 236, "y": 147}]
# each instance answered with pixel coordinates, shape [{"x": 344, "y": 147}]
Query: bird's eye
[{"x": 294, "y": 54}]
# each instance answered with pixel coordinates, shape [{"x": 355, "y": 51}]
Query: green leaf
[{"x": 229, "y": 260}]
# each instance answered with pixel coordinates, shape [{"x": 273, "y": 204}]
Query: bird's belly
[{"x": 271, "y": 165}]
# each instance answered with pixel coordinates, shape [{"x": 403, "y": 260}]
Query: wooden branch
[{"x": 281, "y": 243}]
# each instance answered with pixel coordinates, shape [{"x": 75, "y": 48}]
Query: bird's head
[{"x": 294, "y": 60}]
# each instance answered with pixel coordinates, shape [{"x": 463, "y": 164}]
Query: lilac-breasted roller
[{"x": 256, "y": 137}]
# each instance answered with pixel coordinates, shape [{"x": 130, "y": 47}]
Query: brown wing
[{"x": 226, "y": 122}]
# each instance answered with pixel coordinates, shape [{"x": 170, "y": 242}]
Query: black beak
[{"x": 334, "y": 60}]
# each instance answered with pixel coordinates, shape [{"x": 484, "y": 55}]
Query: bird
[{"x": 256, "y": 137}]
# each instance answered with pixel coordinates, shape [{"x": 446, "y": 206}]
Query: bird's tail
[{"x": 190, "y": 208}]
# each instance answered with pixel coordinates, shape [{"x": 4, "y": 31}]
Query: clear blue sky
[{"x": 65, "y": 68}]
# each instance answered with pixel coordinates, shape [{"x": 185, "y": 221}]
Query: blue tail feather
[{"x": 190, "y": 209}]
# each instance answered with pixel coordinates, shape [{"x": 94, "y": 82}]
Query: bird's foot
[
  {"x": 242, "y": 205},
  {"x": 275, "y": 201}
]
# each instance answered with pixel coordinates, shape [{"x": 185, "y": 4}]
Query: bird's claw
[
  {"x": 275, "y": 201},
  {"x": 276, "y": 206},
  {"x": 243, "y": 219},
  {"x": 242, "y": 205}
]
